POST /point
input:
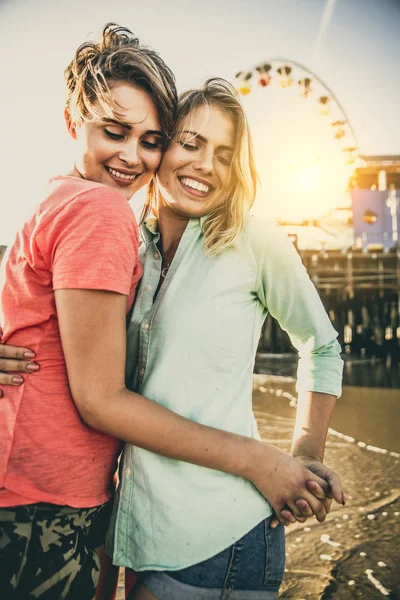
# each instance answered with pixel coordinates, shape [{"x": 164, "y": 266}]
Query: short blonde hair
[
  {"x": 222, "y": 227},
  {"x": 118, "y": 57}
]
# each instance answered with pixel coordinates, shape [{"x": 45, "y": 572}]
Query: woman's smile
[
  {"x": 122, "y": 177},
  {"x": 195, "y": 187}
]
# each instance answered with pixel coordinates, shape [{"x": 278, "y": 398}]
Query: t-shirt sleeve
[
  {"x": 286, "y": 290},
  {"x": 92, "y": 243}
]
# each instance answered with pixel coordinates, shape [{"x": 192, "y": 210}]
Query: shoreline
[{"x": 366, "y": 416}]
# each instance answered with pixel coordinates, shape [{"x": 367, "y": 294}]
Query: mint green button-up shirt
[{"x": 192, "y": 350}]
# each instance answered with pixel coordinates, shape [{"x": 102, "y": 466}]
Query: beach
[{"x": 355, "y": 552}]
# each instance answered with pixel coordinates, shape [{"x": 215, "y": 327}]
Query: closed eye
[
  {"x": 113, "y": 136},
  {"x": 152, "y": 145},
  {"x": 189, "y": 147}
]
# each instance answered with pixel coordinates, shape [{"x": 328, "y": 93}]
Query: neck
[{"x": 171, "y": 227}]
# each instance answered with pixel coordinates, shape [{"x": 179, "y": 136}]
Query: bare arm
[
  {"x": 314, "y": 412},
  {"x": 92, "y": 326}
]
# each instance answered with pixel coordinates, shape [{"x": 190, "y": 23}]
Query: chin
[{"x": 189, "y": 212}]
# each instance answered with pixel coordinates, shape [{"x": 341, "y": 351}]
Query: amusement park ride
[
  {"x": 311, "y": 87},
  {"x": 287, "y": 73}
]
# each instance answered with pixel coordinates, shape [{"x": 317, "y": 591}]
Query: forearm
[
  {"x": 144, "y": 423},
  {"x": 314, "y": 412}
]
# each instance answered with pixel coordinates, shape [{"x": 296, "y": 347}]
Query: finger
[
  {"x": 304, "y": 508},
  {"x": 319, "y": 493},
  {"x": 6, "y": 379},
  {"x": 274, "y": 522},
  {"x": 327, "y": 504},
  {"x": 16, "y": 352},
  {"x": 336, "y": 487},
  {"x": 322, "y": 483},
  {"x": 18, "y": 366},
  {"x": 316, "y": 489},
  {"x": 317, "y": 507},
  {"x": 296, "y": 512},
  {"x": 288, "y": 516}
]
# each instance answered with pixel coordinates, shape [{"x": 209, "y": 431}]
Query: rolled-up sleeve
[{"x": 285, "y": 289}]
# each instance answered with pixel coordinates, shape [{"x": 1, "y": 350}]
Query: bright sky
[{"x": 352, "y": 45}]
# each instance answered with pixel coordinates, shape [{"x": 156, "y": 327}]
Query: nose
[
  {"x": 130, "y": 153},
  {"x": 205, "y": 162}
]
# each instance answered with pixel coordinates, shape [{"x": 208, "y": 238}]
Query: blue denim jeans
[{"x": 251, "y": 569}]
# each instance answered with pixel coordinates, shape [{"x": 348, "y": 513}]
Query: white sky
[{"x": 355, "y": 52}]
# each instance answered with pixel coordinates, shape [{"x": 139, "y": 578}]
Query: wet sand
[{"x": 355, "y": 552}]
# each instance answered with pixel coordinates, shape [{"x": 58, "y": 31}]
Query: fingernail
[
  {"x": 17, "y": 379},
  {"x": 32, "y": 367},
  {"x": 29, "y": 354}
]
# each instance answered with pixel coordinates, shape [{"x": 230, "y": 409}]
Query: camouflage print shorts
[{"x": 46, "y": 553}]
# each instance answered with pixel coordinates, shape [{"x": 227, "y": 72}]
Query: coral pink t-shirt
[{"x": 83, "y": 236}]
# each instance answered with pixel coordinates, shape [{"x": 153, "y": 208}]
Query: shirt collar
[
  {"x": 149, "y": 229},
  {"x": 151, "y": 233}
]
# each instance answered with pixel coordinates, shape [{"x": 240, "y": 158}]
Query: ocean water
[{"x": 369, "y": 408}]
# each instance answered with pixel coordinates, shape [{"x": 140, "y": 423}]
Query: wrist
[
  {"x": 307, "y": 448},
  {"x": 258, "y": 452},
  {"x": 298, "y": 454}
]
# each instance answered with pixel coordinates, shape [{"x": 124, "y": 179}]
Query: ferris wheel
[{"x": 287, "y": 73}]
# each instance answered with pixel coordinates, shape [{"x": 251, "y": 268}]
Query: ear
[{"x": 71, "y": 125}]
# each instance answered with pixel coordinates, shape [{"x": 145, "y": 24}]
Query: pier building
[{"x": 375, "y": 198}]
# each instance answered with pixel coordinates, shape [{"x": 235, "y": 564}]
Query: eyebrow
[
  {"x": 129, "y": 127},
  {"x": 203, "y": 139}
]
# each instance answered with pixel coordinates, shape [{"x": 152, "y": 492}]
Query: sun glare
[
  {"x": 301, "y": 166},
  {"x": 306, "y": 176}
]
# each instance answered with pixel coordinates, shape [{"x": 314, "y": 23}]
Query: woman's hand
[
  {"x": 294, "y": 491},
  {"x": 334, "y": 492},
  {"x": 15, "y": 359},
  {"x": 303, "y": 506},
  {"x": 314, "y": 465}
]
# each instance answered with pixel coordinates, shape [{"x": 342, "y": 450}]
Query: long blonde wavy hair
[{"x": 222, "y": 226}]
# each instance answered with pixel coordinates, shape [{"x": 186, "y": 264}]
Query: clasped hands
[{"x": 323, "y": 494}]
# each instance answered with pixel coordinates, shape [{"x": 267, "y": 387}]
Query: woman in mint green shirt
[{"x": 211, "y": 275}]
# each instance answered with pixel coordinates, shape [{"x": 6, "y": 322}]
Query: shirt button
[
  {"x": 127, "y": 472},
  {"x": 156, "y": 255},
  {"x": 145, "y": 326},
  {"x": 141, "y": 372},
  {"x": 148, "y": 287}
]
